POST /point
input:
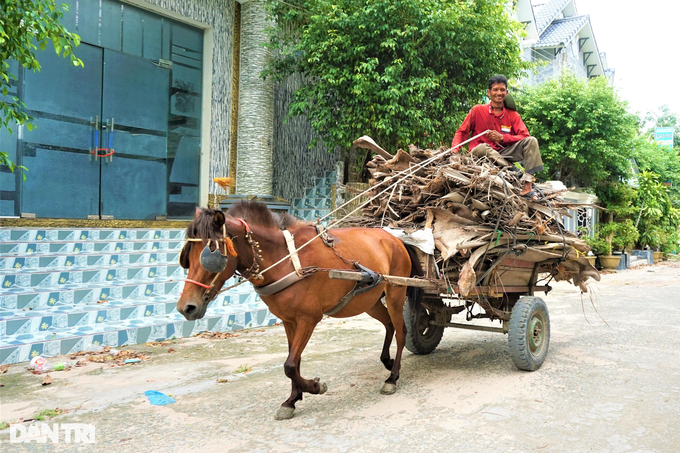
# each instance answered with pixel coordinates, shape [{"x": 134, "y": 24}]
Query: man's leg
[
  {"x": 526, "y": 150},
  {"x": 485, "y": 150}
]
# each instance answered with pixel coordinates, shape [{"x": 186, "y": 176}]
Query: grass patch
[
  {"x": 243, "y": 369},
  {"x": 4, "y": 425},
  {"x": 48, "y": 413}
]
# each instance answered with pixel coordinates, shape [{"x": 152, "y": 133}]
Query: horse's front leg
[
  {"x": 301, "y": 333},
  {"x": 296, "y": 392}
]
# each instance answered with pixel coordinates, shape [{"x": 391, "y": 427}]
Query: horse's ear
[
  {"x": 219, "y": 220},
  {"x": 198, "y": 212},
  {"x": 184, "y": 256}
]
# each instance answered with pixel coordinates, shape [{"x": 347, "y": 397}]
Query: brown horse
[{"x": 250, "y": 238}]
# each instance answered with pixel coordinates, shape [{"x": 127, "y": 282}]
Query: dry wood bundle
[{"x": 475, "y": 211}]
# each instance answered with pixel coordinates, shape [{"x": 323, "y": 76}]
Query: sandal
[{"x": 531, "y": 195}]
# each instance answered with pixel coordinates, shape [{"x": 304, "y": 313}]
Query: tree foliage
[
  {"x": 583, "y": 128},
  {"x": 658, "y": 220},
  {"x": 401, "y": 71},
  {"x": 660, "y": 160},
  {"x": 25, "y": 27}
]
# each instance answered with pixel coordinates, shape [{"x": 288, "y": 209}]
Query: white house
[{"x": 558, "y": 35}]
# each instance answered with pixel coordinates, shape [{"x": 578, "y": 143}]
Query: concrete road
[{"x": 611, "y": 383}]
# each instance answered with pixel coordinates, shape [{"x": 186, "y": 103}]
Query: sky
[{"x": 639, "y": 39}]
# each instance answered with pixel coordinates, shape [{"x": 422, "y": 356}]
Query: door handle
[
  {"x": 95, "y": 136},
  {"x": 107, "y": 152}
]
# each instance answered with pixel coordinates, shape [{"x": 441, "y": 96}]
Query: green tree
[
  {"x": 25, "y": 27},
  {"x": 401, "y": 71},
  {"x": 658, "y": 220},
  {"x": 660, "y": 160},
  {"x": 583, "y": 128}
]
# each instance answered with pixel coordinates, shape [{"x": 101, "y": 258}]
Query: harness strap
[
  {"x": 369, "y": 281},
  {"x": 290, "y": 243},
  {"x": 285, "y": 282},
  {"x": 323, "y": 234}
]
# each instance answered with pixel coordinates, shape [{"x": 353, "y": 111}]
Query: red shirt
[{"x": 481, "y": 118}]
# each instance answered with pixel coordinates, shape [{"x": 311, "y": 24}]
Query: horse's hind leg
[
  {"x": 379, "y": 312},
  {"x": 394, "y": 298},
  {"x": 301, "y": 333}
]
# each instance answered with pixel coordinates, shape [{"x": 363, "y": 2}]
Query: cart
[{"x": 504, "y": 288}]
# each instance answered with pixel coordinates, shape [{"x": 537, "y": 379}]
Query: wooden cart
[{"x": 504, "y": 288}]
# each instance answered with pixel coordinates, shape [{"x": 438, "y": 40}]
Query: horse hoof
[
  {"x": 323, "y": 388},
  {"x": 388, "y": 389},
  {"x": 284, "y": 413}
]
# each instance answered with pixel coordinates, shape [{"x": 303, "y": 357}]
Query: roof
[
  {"x": 560, "y": 32},
  {"x": 546, "y": 12}
]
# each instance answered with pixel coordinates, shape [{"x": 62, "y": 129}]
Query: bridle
[{"x": 251, "y": 274}]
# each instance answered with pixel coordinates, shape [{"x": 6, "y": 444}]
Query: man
[{"x": 508, "y": 139}]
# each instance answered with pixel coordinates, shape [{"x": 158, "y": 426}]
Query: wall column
[{"x": 254, "y": 168}]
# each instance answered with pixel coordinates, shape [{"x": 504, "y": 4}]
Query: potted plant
[
  {"x": 614, "y": 236},
  {"x": 602, "y": 249}
]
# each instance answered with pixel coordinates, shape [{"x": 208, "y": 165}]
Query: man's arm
[
  {"x": 463, "y": 132},
  {"x": 518, "y": 132}
]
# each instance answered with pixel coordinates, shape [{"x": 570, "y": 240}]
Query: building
[
  {"x": 170, "y": 97},
  {"x": 560, "y": 38}
]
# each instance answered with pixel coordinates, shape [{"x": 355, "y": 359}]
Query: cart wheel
[
  {"x": 529, "y": 333},
  {"x": 421, "y": 337}
]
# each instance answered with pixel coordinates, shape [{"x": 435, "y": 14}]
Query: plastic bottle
[{"x": 41, "y": 365}]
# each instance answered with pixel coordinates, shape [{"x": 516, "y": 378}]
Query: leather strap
[
  {"x": 369, "y": 281},
  {"x": 290, "y": 243},
  {"x": 285, "y": 282}
]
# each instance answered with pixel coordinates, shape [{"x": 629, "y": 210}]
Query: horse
[{"x": 250, "y": 237}]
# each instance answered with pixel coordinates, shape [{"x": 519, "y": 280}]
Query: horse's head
[{"x": 210, "y": 256}]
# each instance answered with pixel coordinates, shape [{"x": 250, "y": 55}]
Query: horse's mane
[
  {"x": 251, "y": 211},
  {"x": 258, "y": 214}
]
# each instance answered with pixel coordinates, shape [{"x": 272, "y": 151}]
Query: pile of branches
[{"x": 475, "y": 211}]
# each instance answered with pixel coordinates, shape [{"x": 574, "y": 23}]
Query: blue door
[
  {"x": 99, "y": 148},
  {"x": 134, "y": 175},
  {"x": 63, "y": 176},
  {"x": 119, "y": 138}
]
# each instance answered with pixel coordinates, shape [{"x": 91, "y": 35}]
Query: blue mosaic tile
[{"x": 70, "y": 290}]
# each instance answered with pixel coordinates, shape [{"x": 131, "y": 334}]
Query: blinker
[{"x": 213, "y": 262}]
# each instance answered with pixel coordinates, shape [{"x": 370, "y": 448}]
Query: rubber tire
[
  {"x": 526, "y": 310},
  {"x": 415, "y": 341}
]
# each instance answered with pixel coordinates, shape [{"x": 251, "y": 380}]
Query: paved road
[{"x": 604, "y": 387}]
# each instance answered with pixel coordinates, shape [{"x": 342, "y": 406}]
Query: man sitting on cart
[{"x": 508, "y": 139}]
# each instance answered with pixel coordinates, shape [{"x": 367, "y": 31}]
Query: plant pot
[
  {"x": 592, "y": 260},
  {"x": 610, "y": 262},
  {"x": 658, "y": 256}
]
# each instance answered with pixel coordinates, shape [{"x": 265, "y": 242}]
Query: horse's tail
[{"x": 414, "y": 294}]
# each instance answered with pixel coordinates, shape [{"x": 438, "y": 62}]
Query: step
[
  {"x": 316, "y": 192},
  {"x": 119, "y": 333},
  {"x": 324, "y": 182},
  {"x": 310, "y": 214},
  {"x": 95, "y": 276},
  {"x": 59, "y": 248},
  {"x": 56, "y": 318},
  {"x": 311, "y": 203},
  {"x": 87, "y": 234},
  {"x": 72, "y": 262}
]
